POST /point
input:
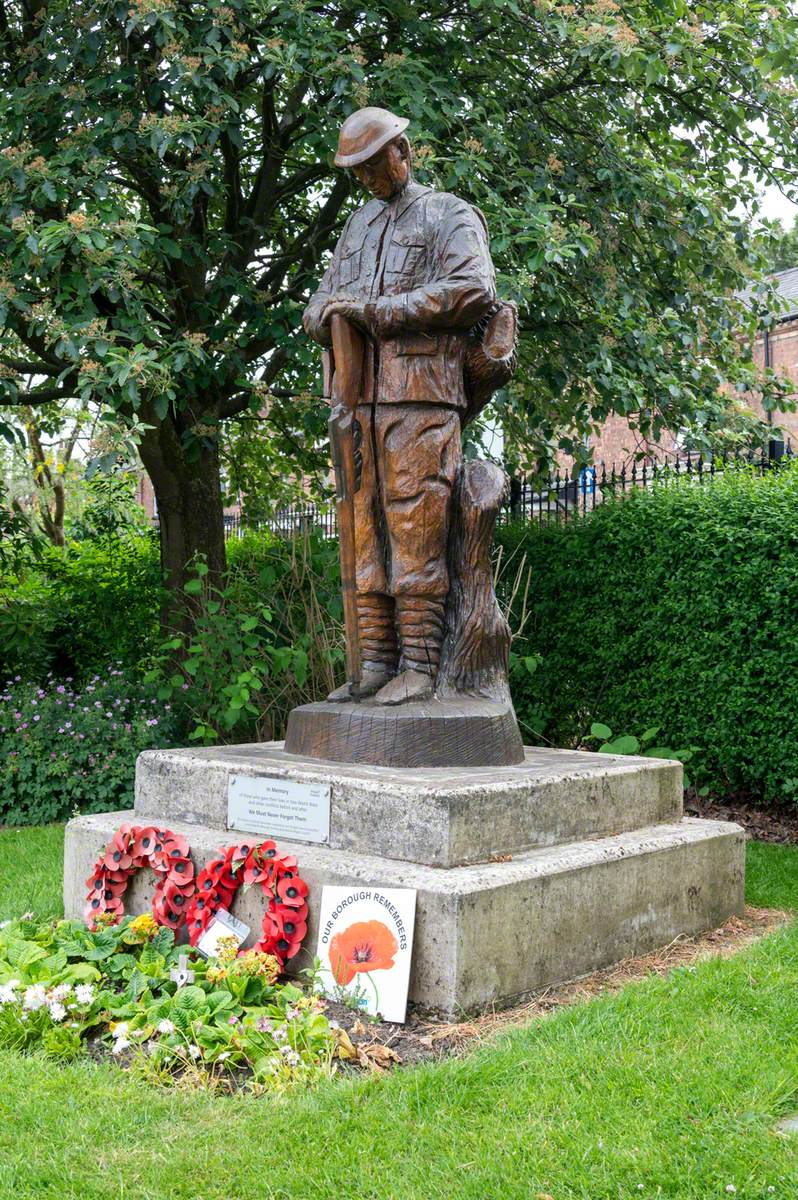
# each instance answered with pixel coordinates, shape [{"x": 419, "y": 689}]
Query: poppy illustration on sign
[{"x": 362, "y": 948}]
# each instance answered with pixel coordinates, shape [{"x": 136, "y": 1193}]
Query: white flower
[
  {"x": 61, "y": 991},
  {"x": 28, "y": 916},
  {"x": 119, "y": 1045},
  {"x": 731, "y": 1188},
  {"x": 84, "y": 994},
  {"x": 120, "y": 1029},
  {"x": 194, "y": 1051},
  {"x": 4, "y": 923},
  {"x": 292, "y": 1013},
  {"x": 35, "y": 997},
  {"x": 291, "y": 1056},
  {"x": 280, "y": 1034},
  {"x": 225, "y": 1054},
  {"x": 8, "y": 992},
  {"x": 335, "y": 1025},
  {"x": 165, "y": 1026},
  {"x": 57, "y": 1010}
]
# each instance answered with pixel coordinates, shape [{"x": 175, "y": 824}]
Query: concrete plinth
[
  {"x": 493, "y": 932},
  {"x": 442, "y": 817}
]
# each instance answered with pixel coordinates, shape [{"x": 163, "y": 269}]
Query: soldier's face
[{"x": 386, "y": 173}]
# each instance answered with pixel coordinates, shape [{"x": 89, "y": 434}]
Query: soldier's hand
[{"x": 350, "y": 310}]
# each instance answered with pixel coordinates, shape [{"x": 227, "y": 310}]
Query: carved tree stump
[{"x": 476, "y": 650}]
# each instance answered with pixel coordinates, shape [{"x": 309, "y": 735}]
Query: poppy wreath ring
[
  {"x": 285, "y": 920},
  {"x": 131, "y": 848}
]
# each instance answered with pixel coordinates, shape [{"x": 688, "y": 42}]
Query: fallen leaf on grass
[
  {"x": 344, "y": 1047},
  {"x": 377, "y": 1055},
  {"x": 359, "y": 1029}
]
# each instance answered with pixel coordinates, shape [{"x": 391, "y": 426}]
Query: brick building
[{"x": 778, "y": 348}]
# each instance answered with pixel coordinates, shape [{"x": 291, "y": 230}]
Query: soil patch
[{"x": 761, "y": 824}]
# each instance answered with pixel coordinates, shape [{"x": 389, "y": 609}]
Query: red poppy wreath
[
  {"x": 131, "y": 848},
  {"x": 285, "y": 920}
]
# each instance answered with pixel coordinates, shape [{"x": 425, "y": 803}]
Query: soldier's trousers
[{"x": 411, "y": 455}]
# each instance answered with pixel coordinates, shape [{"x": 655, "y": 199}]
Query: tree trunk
[
  {"x": 475, "y": 656},
  {"x": 189, "y": 498}
]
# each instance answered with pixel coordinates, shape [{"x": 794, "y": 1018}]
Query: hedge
[
  {"x": 677, "y": 608},
  {"x": 81, "y": 607}
]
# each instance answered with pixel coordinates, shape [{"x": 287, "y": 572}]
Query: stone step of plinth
[
  {"x": 496, "y": 932},
  {"x": 435, "y": 816}
]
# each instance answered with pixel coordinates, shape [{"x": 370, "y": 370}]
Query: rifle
[{"x": 348, "y": 363}]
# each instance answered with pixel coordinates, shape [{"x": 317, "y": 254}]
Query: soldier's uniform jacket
[{"x": 421, "y": 262}]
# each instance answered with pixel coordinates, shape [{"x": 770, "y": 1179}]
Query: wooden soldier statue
[{"x": 410, "y": 280}]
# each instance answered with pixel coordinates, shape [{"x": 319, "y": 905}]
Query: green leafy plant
[
  {"x": 250, "y": 660},
  {"x": 73, "y": 610},
  {"x": 646, "y": 745},
  {"x": 61, "y": 985},
  {"x": 168, "y": 198}
]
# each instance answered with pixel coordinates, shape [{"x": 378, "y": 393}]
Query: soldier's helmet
[{"x": 365, "y": 132}]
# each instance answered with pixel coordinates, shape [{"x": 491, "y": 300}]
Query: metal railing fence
[{"x": 561, "y": 497}]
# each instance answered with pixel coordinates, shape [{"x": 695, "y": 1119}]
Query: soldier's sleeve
[
  {"x": 464, "y": 287},
  {"x": 311, "y": 318}
]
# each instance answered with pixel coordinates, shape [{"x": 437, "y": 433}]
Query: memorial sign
[
  {"x": 365, "y": 947},
  {"x": 279, "y": 808}
]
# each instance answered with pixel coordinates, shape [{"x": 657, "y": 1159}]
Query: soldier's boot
[
  {"x": 420, "y": 625},
  {"x": 379, "y": 650}
]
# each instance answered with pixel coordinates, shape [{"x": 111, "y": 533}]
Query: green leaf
[
  {"x": 597, "y": 730},
  {"x": 622, "y": 745}
]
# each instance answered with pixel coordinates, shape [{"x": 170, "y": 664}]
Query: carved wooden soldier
[{"x": 413, "y": 271}]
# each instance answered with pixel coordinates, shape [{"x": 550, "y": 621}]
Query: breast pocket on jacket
[
  {"x": 349, "y": 267},
  {"x": 405, "y": 259}
]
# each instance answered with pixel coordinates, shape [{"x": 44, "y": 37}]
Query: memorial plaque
[{"x": 279, "y": 808}]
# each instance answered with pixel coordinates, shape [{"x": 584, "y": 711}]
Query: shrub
[
  {"x": 675, "y": 608},
  {"x": 64, "y": 748},
  {"x": 77, "y": 608},
  {"x": 272, "y": 639}
]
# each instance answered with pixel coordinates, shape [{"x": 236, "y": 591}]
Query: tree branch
[
  {"x": 38, "y": 396},
  {"x": 239, "y": 402}
]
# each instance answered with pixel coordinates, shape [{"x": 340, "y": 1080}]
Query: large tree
[{"x": 167, "y": 197}]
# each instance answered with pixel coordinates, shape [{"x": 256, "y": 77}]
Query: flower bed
[
  {"x": 65, "y": 748},
  {"x": 69, "y": 991}
]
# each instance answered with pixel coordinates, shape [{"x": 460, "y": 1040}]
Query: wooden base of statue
[{"x": 464, "y": 732}]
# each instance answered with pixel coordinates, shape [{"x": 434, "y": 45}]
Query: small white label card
[
  {"x": 279, "y": 808},
  {"x": 223, "y": 925},
  {"x": 366, "y": 945}
]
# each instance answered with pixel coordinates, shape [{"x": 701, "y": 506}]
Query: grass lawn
[{"x": 670, "y": 1088}]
